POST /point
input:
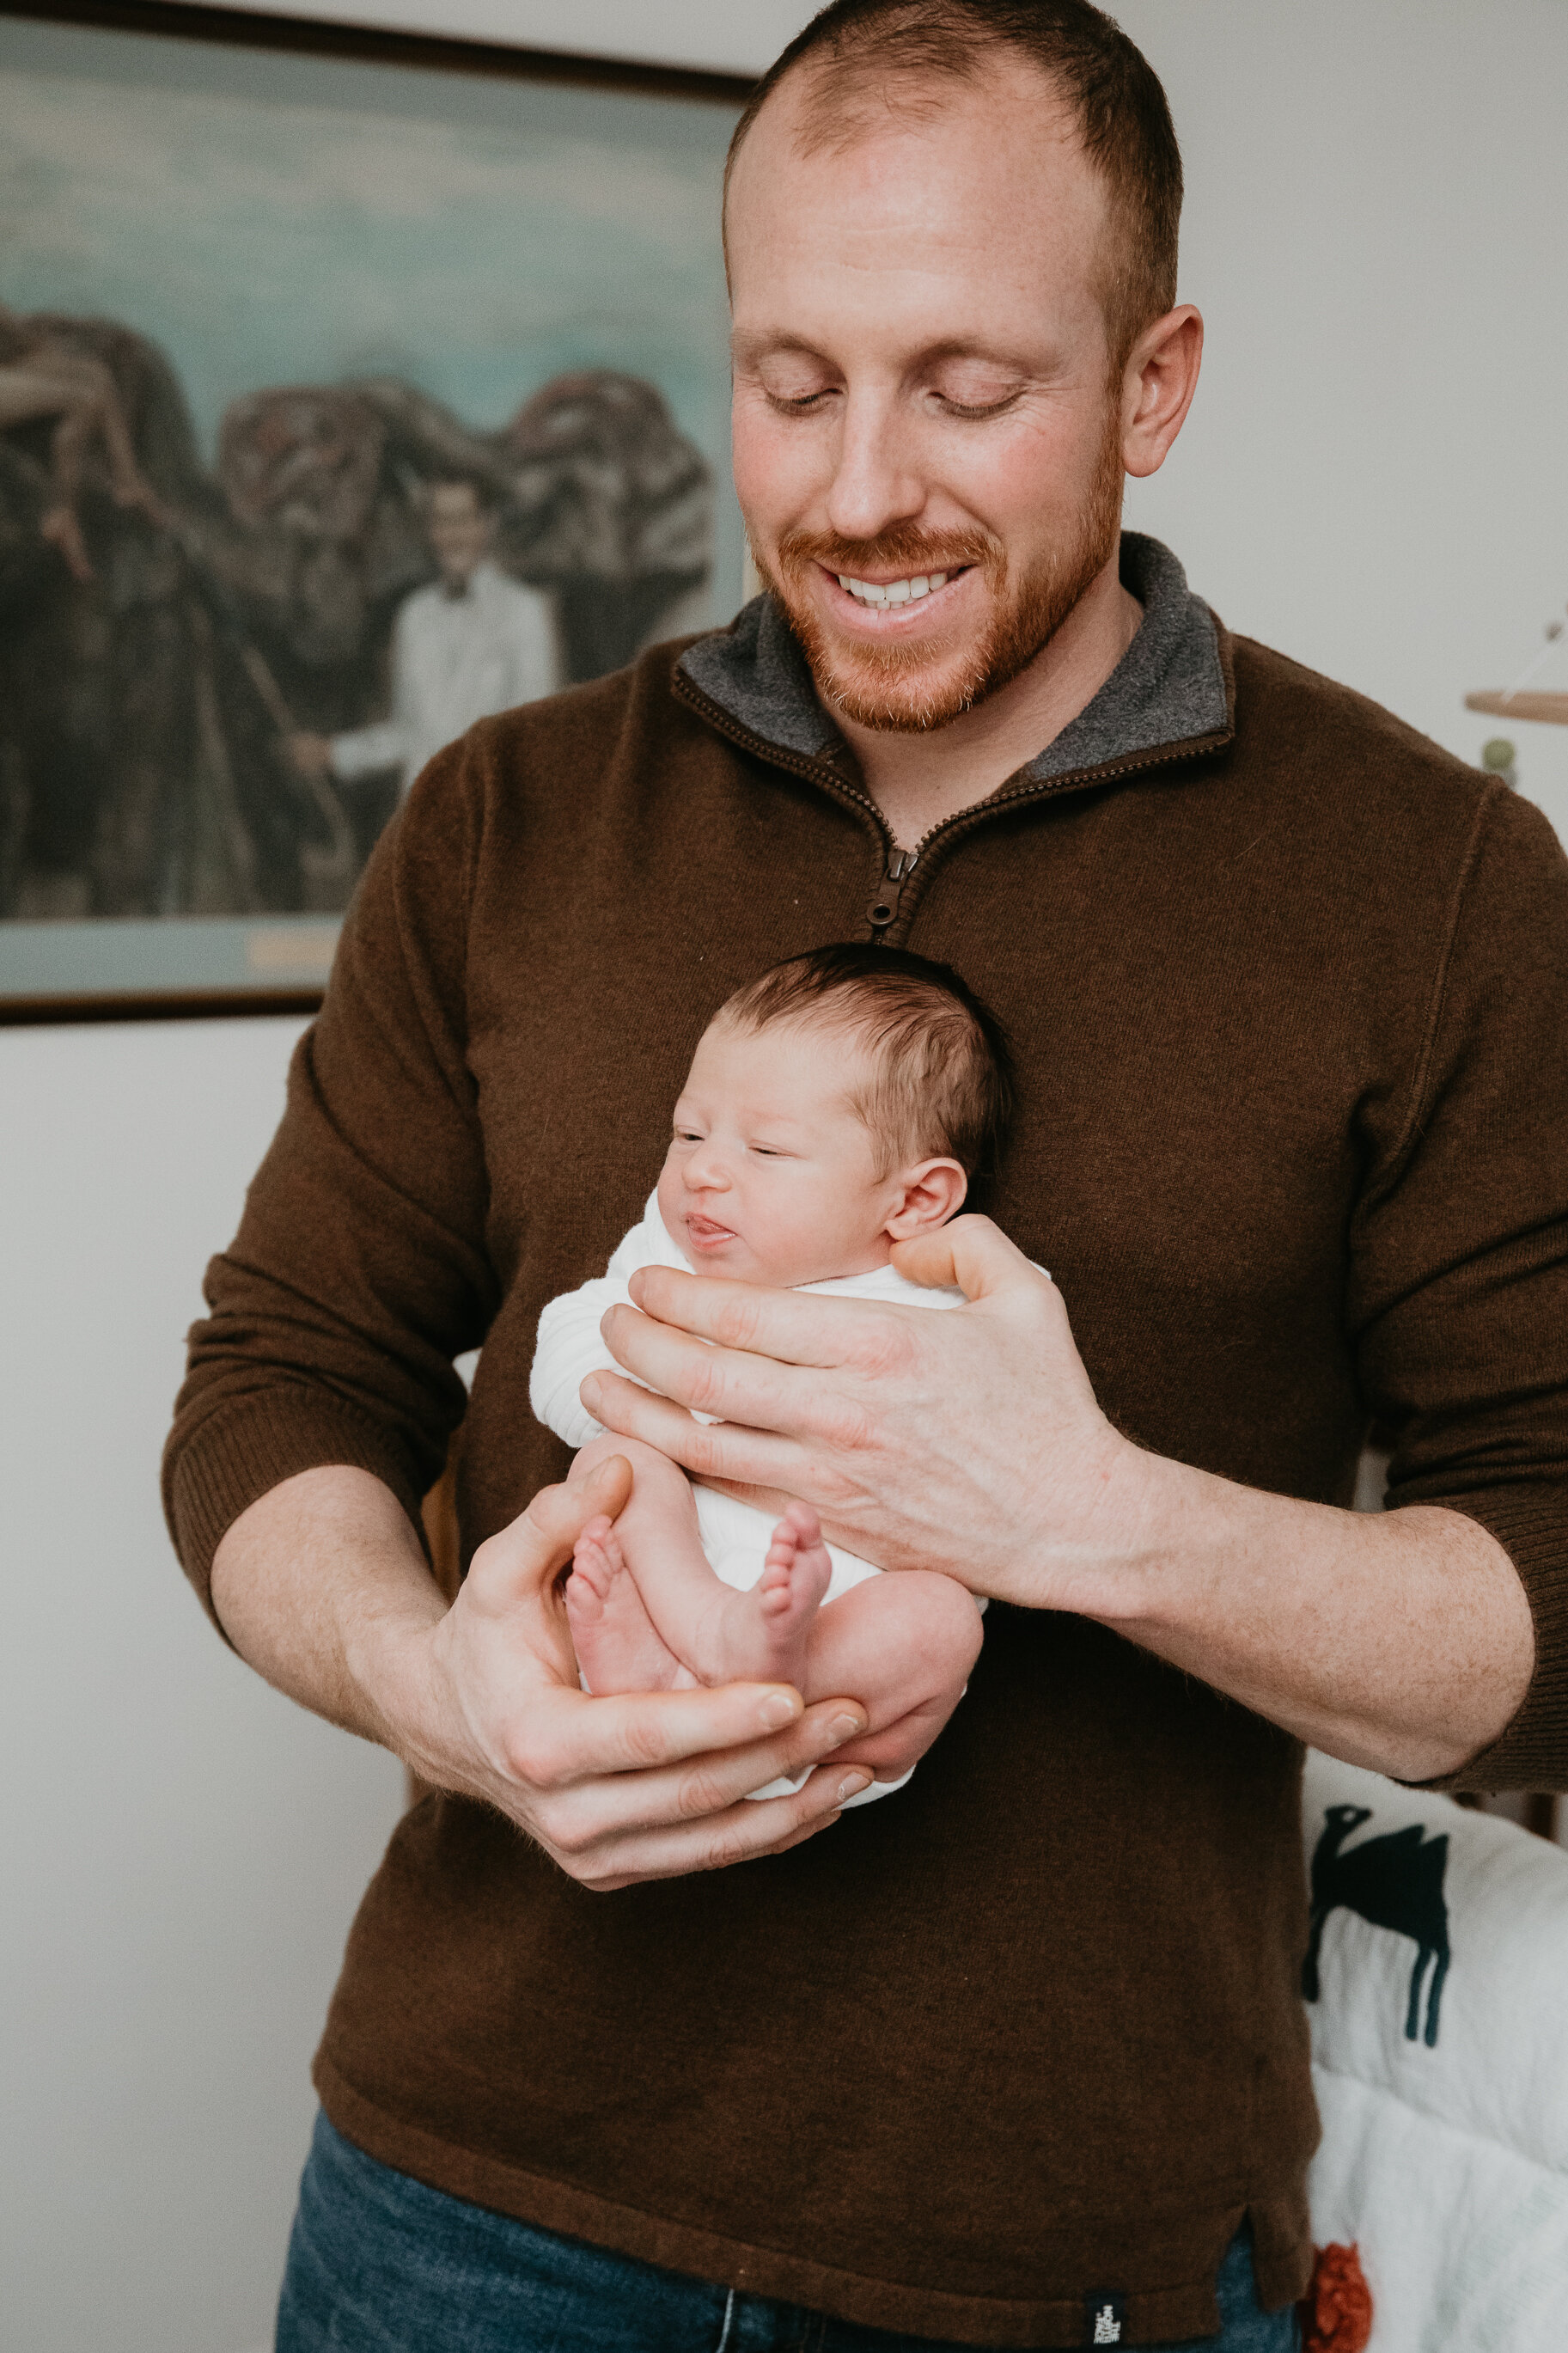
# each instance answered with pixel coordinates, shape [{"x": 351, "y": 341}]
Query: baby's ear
[{"x": 929, "y": 1194}]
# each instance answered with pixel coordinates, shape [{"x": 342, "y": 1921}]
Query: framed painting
[{"x": 351, "y": 386}]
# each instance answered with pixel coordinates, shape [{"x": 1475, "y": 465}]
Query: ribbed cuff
[
  {"x": 246, "y": 1448},
  {"x": 1530, "y": 1523}
]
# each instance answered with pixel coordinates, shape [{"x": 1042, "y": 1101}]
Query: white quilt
[{"x": 1444, "y": 2160}]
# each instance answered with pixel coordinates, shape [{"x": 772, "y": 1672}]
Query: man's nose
[{"x": 875, "y": 483}]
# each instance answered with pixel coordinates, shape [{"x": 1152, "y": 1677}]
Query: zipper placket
[
  {"x": 900, "y": 864},
  {"x": 883, "y": 912}
]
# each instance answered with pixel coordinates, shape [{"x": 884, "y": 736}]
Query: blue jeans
[{"x": 379, "y": 2264}]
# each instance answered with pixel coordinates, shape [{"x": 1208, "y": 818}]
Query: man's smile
[
  {"x": 894, "y": 591},
  {"x": 891, "y": 603}
]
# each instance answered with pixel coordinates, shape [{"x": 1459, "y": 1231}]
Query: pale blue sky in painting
[{"x": 270, "y": 219}]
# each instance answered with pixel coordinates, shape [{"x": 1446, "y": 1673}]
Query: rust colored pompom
[{"x": 1336, "y": 2311}]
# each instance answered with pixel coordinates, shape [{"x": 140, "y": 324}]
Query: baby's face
[{"x": 771, "y": 1176}]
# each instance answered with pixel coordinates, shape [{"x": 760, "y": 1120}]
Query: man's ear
[
  {"x": 927, "y": 1195},
  {"x": 1161, "y": 378}
]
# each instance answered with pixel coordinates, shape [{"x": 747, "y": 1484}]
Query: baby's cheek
[{"x": 801, "y": 1243}]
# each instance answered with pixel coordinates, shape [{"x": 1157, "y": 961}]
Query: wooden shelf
[{"x": 1526, "y": 705}]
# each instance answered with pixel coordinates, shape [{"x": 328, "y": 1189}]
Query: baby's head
[{"x": 837, "y": 1105}]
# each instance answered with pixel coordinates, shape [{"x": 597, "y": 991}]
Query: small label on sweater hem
[{"x": 1105, "y": 2317}]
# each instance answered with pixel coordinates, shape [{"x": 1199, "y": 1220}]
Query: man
[
  {"x": 472, "y": 643},
  {"x": 1017, "y": 2058}
]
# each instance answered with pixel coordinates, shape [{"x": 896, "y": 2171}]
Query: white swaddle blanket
[{"x": 735, "y": 1535}]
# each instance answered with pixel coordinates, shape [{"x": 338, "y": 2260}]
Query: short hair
[
  {"x": 861, "y": 50},
  {"x": 944, "y": 1079}
]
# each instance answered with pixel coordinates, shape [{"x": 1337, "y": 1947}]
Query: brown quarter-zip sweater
[{"x": 1288, "y": 988}]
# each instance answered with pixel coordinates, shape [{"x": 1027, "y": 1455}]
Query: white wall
[
  {"x": 1375, "y": 478},
  {"x": 184, "y": 1849}
]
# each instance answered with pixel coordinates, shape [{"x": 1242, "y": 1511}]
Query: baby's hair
[{"x": 943, "y": 1079}]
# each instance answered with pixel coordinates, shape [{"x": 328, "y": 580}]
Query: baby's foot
[
  {"x": 617, "y": 1645},
  {"x": 765, "y": 1629}
]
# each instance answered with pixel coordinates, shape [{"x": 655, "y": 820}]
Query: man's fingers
[
  {"x": 974, "y": 1253},
  {"x": 704, "y": 1783},
  {"x": 765, "y": 1729},
  {"x": 753, "y": 1458},
  {"x": 740, "y": 1834},
  {"x": 724, "y": 1381},
  {"x": 794, "y": 1327}
]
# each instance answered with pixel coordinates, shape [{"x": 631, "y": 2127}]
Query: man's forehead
[
  {"x": 990, "y": 170},
  {"x": 830, "y": 102}
]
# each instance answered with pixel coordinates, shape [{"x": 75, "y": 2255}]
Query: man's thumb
[
  {"x": 607, "y": 1488},
  {"x": 970, "y": 1251},
  {"x": 539, "y": 1541}
]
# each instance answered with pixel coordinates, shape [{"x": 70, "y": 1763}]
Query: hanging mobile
[{"x": 1515, "y": 703}]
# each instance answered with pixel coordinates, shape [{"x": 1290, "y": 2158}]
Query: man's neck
[{"x": 917, "y": 780}]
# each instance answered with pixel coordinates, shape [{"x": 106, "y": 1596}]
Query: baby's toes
[
  {"x": 591, "y": 1561},
  {"x": 813, "y": 1573},
  {"x": 773, "y": 1586},
  {"x": 805, "y": 1527},
  {"x": 784, "y": 1545},
  {"x": 584, "y": 1597}
]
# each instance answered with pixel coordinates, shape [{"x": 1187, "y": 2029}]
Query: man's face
[
  {"x": 459, "y": 528},
  {"x": 922, "y": 389}
]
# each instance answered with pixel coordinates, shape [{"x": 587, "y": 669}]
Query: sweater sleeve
[
  {"x": 359, "y": 1270},
  {"x": 1457, "y": 1296}
]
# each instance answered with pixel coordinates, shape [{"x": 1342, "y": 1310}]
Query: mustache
[{"x": 903, "y": 549}]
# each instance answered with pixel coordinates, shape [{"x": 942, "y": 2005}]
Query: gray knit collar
[{"x": 1168, "y": 688}]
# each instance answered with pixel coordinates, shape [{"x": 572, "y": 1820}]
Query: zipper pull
[{"x": 883, "y": 910}]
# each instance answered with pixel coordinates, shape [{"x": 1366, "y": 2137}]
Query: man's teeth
[{"x": 894, "y": 591}]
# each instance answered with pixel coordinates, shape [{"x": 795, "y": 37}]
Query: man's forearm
[
  {"x": 1400, "y": 1640},
  {"x": 321, "y": 1587}
]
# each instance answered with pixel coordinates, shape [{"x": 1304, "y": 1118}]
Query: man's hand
[
  {"x": 322, "y": 1588},
  {"x": 971, "y": 1443},
  {"x": 642, "y": 1786},
  {"x": 968, "y": 1441}
]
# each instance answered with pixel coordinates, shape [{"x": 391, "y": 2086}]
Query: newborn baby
[{"x": 835, "y": 1106}]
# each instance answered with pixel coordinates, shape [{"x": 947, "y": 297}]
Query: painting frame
[{"x": 241, "y": 30}]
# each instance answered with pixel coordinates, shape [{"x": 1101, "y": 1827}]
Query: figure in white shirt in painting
[{"x": 473, "y": 642}]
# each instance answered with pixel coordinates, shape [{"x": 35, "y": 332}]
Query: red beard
[{"x": 905, "y": 689}]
